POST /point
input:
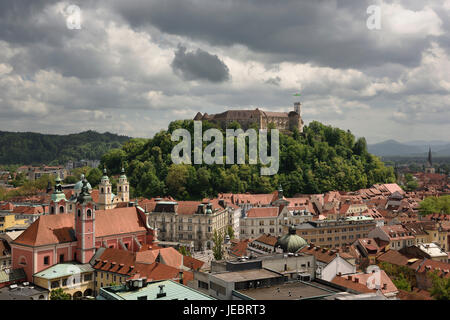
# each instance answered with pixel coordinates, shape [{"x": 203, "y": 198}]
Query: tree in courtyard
[
  {"x": 59, "y": 294},
  {"x": 217, "y": 248}
]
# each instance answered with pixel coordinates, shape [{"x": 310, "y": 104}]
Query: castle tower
[
  {"x": 85, "y": 225},
  {"x": 297, "y": 107},
  {"x": 58, "y": 199},
  {"x": 123, "y": 188},
  {"x": 105, "y": 194},
  {"x": 295, "y": 118}
]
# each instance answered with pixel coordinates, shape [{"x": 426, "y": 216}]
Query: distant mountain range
[
  {"x": 410, "y": 149},
  {"x": 37, "y": 148}
]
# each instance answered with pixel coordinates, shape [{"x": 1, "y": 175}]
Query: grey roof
[
  {"x": 12, "y": 275},
  {"x": 21, "y": 292}
]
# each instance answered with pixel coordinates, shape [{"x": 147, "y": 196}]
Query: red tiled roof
[
  {"x": 170, "y": 256},
  {"x": 239, "y": 248},
  {"x": 7, "y": 206},
  {"x": 192, "y": 263},
  {"x": 442, "y": 268},
  {"x": 51, "y": 229},
  {"x": 267, "y": 239},
  {"x": 95, "y": 195},
  {"x": 158, "y": 271},
  {"x": 116, "y": 260},
  {"x": 262, "y": 212},
  {"x": 359, "y": 282},
  {"x": 321, "y": 254}
]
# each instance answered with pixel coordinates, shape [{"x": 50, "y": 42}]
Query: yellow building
[
  {"x": 8, "y": 220},
  {"x": 73, "y": 278}
]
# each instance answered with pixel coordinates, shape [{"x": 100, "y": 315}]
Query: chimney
[
  {"x": 181, "y": 276},
  {"x": 161, "y": 292}
]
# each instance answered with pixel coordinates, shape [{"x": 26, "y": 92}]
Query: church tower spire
[
  {"x": 58, "y": 198},
  {"x": 105, "y": 194},
  {"x": 430, "y": 161},
  {"x": 123, "y": 187},
  {"x": 429, "y": 167}
]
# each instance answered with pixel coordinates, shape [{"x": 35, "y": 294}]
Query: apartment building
[
  {"x": 271, "y": 220},
  {"x": 190, "y": 223},
  {"x": 334, "y": 233}
]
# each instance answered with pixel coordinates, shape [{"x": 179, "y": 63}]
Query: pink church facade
[{"x": 53, "y": 239}]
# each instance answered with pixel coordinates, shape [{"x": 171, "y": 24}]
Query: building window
[
  {"x": 88, "y": 277},
  {"x": 89, "y": 212},
  {"x": 64, "y": 282},
  {"x": 203, "y": 285},
  {"x": 61, "y": 209},
  {"x": 55, "y": 284},
  {"x": 46, "y": 260},
  {"x": 79, "y": 212},
  {"x": 61, "y": 258}
]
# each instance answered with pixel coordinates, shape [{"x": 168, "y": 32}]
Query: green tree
[
  {"x": 70, "y": 179},
  {"x": 176, "y": 180},
  {"x": 440, "y": 289},
  {"x": 435, "y": 205},
  {"x": 184, "y": 251},
  {"x": 230, "y": 232},
  {"x": 59, "y": 294},
  {"x": 94, "y": 176},
  {"x": 218, "y": 245}
]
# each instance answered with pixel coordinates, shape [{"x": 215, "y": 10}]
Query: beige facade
[
  {"x": 268, "y": 220},
  {"x": 263, "y": 119},
  {"x": 334, "y": 233},
  {"x": 190, "y": 223},
  {"x": 78, "y": 286}
]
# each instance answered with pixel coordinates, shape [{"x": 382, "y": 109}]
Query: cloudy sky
[{"x": 134, "y": 66}]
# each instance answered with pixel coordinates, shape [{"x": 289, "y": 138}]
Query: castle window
[
  {"x": 61, "y": 258},
  {"x": 89, "y": 212},
  {"x": 126, "y": 188},
  {"x": 61, "y": 209},
  {"x": 120, "y": 189},
  {"x": 79, "y": 212},
  {"x": 52, "y": 210},
  {"x": 46, "y": 260},
  {"x": 103, "y": 190}
]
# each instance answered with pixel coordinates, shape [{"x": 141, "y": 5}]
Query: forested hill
[
  {"x": 36, "y": 148},
  {"x": 323, "y": 158}
]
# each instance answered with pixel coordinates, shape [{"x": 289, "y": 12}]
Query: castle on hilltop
[{"x": 280, "y": 120}]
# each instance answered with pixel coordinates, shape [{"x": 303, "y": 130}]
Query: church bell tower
[
  {"x": 123, "y": 188},
  {"x": 85, "y": 225},
  {"x": 105, "y": 194}
]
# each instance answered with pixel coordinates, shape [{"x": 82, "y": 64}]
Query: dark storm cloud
[
  {"x": 199, "y": 65},
  {"x": 331, "y": 33}
]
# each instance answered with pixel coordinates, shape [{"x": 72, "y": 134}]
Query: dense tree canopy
[
  {"x": 435, "y": 205},
  {"x": 36, "y": 148},
  {"x": 323, "y": 158}
]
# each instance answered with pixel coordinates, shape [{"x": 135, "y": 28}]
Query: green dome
[{"x": 291, "y": 242}]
